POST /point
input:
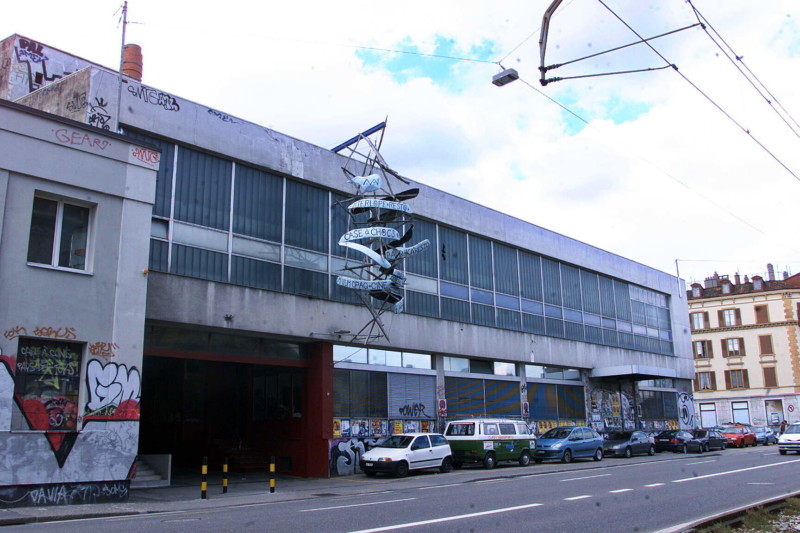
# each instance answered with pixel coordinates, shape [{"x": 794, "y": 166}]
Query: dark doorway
[{"x": 193, "y": 408}]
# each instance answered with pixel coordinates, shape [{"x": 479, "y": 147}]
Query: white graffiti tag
[{"x": 111, "y": 384}]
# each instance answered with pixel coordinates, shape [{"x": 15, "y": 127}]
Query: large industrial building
[{"x": 246, "y": 345}]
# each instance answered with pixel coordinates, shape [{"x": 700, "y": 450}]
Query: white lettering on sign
[
  {"x": 375, "y": 232},
  {"x": 369, "y": 203}
]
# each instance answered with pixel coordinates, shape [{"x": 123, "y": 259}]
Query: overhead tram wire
[
  {"x": 768, "y": 97},
  {"x": 707, "y": 97}
]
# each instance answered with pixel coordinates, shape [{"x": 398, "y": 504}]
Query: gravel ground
[{"x": 782, "y": 523}]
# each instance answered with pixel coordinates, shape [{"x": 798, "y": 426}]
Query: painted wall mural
[
  {"x": 74, "y": 457},
  {"x": 686, "y": 410},
  {"x": 346, "y": 453},
  {"x": 34, "y": 66}
]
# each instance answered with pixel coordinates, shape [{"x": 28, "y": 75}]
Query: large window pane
[
  {"x": 306, "y": 216},
  {"x": 252, "y": 273},
  {"x": 164, "y": 174},
  {"x": 300, "y": 281},
  {"x": 74, "y": 230},
  {"x": 43, "y": 231},
  {"x": 530, "y": 269},
  {"x": 480, "y": 263},
  {"x": 506, "y": 274},
  {"x": 257, "y": 204},
  {"x": 198, "y": 263},
  {"x": 453, "y": 255},
  {"x": 424, "y": 262},
  {"x": 571, "y": 286},
  {"x": 203, "y": 189},
  {"x": 552, "y": 281}
]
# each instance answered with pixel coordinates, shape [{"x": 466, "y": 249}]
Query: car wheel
[
  {"x": 489, "y": 461},
  {"x": 457, "y": 464},
  {"x": 567, "y": 457},
  {"x": 652, "y": 450},
  {"x": 598, "y": 454},
  {"x": 525, "y": 459},
  {"x": 628, "y": 452},
  {"x": 370, "y": 473},
  {"x": 741, "y": 444},
  {"x": 537, "y": 461},
  {"x": 782, "y": 452},
  {"x": 705, "y": 448},
  {"x": 447, "y": 465},
  {"x": 401, "y": 470}
]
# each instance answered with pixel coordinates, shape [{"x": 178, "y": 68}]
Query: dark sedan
[
  {"x": 673, "y": 440},
  {"x": 707, "y": 439},
  {"x": 628, "y": 443}
]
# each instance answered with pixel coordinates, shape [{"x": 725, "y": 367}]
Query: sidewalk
[{"x": 184, "y": 495}]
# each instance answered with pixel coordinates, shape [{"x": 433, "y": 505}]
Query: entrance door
[{"x": 774, "y": 411}]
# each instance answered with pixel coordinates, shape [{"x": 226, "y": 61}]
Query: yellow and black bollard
[
  {"x": 272, "y": 473},
  {"x": 203, "y": 481},
  {"x": 225, "y": 475}
]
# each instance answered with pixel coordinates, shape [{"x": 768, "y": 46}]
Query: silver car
[{"x": 789, "y": 441}]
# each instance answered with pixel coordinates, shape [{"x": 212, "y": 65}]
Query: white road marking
[
  {"x": 757, "y": 483},
  {"x": 702, "y": 462},
  {"x": 585, "y": 477},
  {"x": 655, "y": 485},
  {"x": 619, "y": 490},
  {"x": 354, "y": 505},
  {"x": 441, "y": 486},
  {"x": 492, "y": 480},
  {"x": 582, "y": 497},
  {"x": 734, "y": 471},
  {"x": 449, "y": 518}
]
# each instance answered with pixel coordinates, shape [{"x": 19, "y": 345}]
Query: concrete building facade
[
  {"x": 73, "y": 282},
  {"x": 745, "y": 345},
  {"x": 250, "y": 348}
]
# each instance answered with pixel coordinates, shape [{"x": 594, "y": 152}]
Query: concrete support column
[{"x": 318, "y": 409}]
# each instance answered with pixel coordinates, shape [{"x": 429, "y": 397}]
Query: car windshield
[
  {"x": 794, "y": 428},
  {"x": 667, "y": 434},
  {"x": 557, "y": 433},
  {"x": 619, "y": 435},
  {"x": 732, "y": 430},
  {"x": 700, "y": 433},
  {"x": 396, "y": 441}
]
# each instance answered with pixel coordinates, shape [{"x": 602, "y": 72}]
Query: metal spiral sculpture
[{"x": 379, "y": 226}]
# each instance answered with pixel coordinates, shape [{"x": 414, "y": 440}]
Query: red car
[{"x": 738, "y": 435}]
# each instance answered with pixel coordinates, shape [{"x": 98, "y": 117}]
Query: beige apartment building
[{"x": 745, "y": 346}]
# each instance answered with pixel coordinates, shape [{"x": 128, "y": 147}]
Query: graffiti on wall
[
  {"x": 64, "y": 494},
  {"x": 103, "y": 349},
  {"x": 686, "y": 410},
  {"x": 15, "y": 332},
  {"x": 155, "y": 97},
  {"x": 98, "y": 116},
  {"x": 32, "y": 55},
  {"x": 612, "y": 410},
  {"x": 346, "y": 453},
  {"x": 114, "y": 391}
]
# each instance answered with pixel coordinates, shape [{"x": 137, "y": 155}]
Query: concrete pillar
[{"x": 318, "y": 410}]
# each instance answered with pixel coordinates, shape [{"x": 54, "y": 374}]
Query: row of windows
[
  {"x": 734, "y": 379},
  {"x": 233, "y": 223},
  {"x": 380, "y": 357},
  {"x": 732, "y": 347},
  {"x": 728, "y": 317}
]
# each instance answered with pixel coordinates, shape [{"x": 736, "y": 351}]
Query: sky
[{"x": 688, "y": 170}]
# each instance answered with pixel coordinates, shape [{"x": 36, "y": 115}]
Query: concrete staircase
[{"x": 149, "y": 472}]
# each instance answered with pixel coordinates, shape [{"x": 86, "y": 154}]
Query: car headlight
[{"x": 557, "y": 445}]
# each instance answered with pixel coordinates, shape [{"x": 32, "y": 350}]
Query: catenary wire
[
  {"x": 768, "y": 97},
  {"x": 706, "y": 96}
]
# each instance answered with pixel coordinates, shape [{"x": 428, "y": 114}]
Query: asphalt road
[{"x": 615, "y": 495}]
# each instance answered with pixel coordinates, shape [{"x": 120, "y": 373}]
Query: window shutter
[
  {"x": 706, "y": 321},
  {"x": 738, "y": 313},
  {"x": 709, "y": 349},
  {"x": 724, "y": 347},
  {"x": 727, "y": 379},
  {"x": 745, "y": 379},
  {"x": 721, "y": 317},
  {"x": 696, "y": 383},
  {"x": 713, "y": 381},
  {"x": 762, "y": 317},
  {"x": 741, "y": 347},
  {"x": 765, "y": 343},
  {"x": 770, "y": 378}
]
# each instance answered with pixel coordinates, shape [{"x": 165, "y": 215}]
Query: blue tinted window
[
  {"x": 533, "y": 323},
  {"x": 552, "y": 311},
  {"x": 482, "y": 315},
  {"x": 424, "y": 262},
  {"x": 505, "y": 270},
  {"x": 575, "y": 316},
  {"x": 455, "y": 309},
  {"x": 454, "y": 291},
  {"x": 203, "y": 189},
  {"x": 509, "y": 319},
  {"x": 506, "y": 301},
  {"x": 571, "y": 286},
  {"x": 532, "y": 307},
  {"x": 257, "y": 204},
  {"x": 252, "y": 273},
  {"x": 483, "y": 297},
  {"x": 530, "y": 272},
  {"x": 307, "y": 212}
]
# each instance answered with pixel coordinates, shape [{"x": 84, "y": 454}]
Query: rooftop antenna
[{"x": 124, "y": 20}]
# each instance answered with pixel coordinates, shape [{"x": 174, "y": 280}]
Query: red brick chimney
[{"x": 132, "y": 61}]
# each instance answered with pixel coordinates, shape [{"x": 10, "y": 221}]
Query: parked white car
[
  {"x": 409, "y": 451},
  {"x": 789, "y": 441}
]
